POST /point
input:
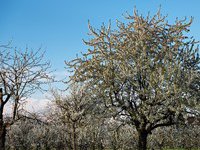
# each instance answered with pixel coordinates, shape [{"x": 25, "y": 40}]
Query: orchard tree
[
  {"x": 21, "y": 74},
  {"x": 73, "y": 110},
  {"x": 146, "y": 70}
]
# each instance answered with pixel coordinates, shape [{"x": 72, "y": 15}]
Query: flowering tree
[{"x": 147, "y": 71}]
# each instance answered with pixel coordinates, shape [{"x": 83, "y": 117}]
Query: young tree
[
  {"x": 73, "y": 110},
  {"x": 146, "y": 70},
  {"x": 21, "y": 74}
]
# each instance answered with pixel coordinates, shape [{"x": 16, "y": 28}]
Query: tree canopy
[{"x": 146, "y": 70}]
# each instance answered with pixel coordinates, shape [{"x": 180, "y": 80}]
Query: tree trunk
[
  {"x": 142, "y": 140},
  {"x": 2, "y": 125},
  {"x": 2, "y": 137},
  {"x": 74, "y": 136}
]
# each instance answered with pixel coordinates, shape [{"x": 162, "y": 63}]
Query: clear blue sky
[{"x": 60, "y": 25}]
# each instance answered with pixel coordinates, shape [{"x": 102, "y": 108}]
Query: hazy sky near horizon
[{"x": 60, "y": 25}]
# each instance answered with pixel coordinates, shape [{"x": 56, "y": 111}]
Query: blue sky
[{"x": 60, "y": 25}]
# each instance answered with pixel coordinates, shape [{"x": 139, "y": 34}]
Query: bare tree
[{"x": 21, "y": 74}]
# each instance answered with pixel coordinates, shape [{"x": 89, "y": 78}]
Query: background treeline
[{"x": 71, "y": 123}]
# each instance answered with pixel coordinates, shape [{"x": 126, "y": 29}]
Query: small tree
[
  {"x": 146, "y": 70},
  {"x": 21, "y": 74},
  {"x": 73, "y": 110}
]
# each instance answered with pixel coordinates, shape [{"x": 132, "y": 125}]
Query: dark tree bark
[
  {"x": 74, "y": 137},
  {"x": 2, "y": 136},
  {"x": 2, "y": 126},
  {"x": 142, "y": 140}
]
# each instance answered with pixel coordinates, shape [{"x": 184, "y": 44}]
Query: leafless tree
[{"x": 21, "y": 74}]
